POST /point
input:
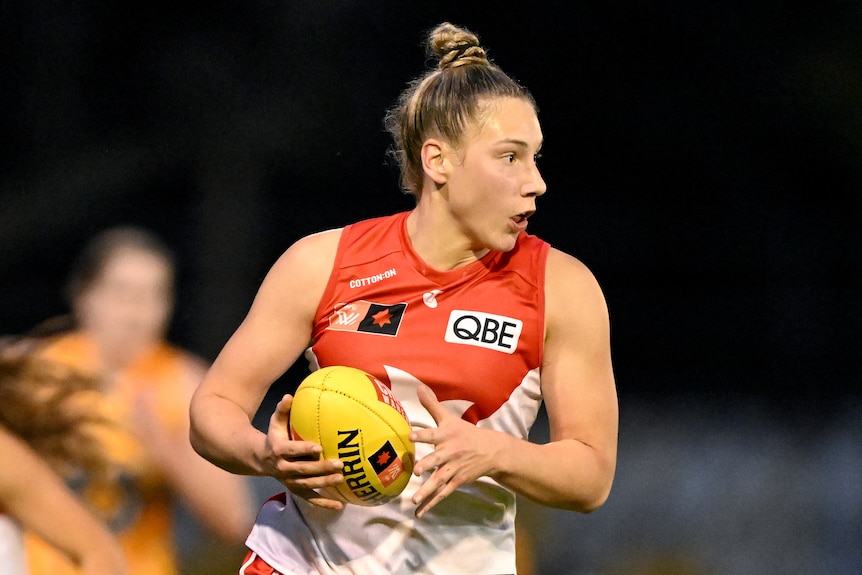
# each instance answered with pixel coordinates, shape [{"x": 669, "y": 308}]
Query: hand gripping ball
[{"x": 356, "y": 418}]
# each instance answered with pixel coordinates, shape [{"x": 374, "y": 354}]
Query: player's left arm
[{"x": 576, "y": 468}]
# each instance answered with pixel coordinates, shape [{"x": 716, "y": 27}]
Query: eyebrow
[{"x": 519, "y": 143}]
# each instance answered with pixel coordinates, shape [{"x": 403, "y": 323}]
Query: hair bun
[{"x": 455, "y": 46}]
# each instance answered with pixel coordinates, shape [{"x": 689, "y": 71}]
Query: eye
[
  {"x": 537, "y": 157},
  {"x": 510, "y": 158}
]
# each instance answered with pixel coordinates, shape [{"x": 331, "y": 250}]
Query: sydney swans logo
[{"x": 368, "y": 317}]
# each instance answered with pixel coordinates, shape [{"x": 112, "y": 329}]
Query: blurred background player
[
  {"x": 121, "y": 293},
  {"x": 48, "y": 418}
]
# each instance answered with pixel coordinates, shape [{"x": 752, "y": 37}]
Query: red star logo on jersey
[
  {"x": 368, "y": 317},
  {"x": 382, "y": 317}
]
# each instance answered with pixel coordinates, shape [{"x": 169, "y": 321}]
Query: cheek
[
  {"x": 109, "y": 311},
  {"x": 150, "y": 312},
  {"x": 486, "y": 187},
  {"x": 95, "y": 309},
  {"x": 160, "y": 316}
]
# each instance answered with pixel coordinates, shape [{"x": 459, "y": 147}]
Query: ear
[{"x": 434, "y": 160}]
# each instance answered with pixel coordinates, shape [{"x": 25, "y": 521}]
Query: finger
[
  {"x": 306, "y": 466},
  {"x": 313, "y": 481},
  {"x": 438, "y": 489},
  {"x": 290, "y": 450},
  {"x": 432, "y": 485},
  {"x": 424, "y": 435},
  {"x": 428, "y": 463},
  {"x": 317, "y": 499}
]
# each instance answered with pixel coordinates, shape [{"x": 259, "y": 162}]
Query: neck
[
  {"x": 438, "y": 240},
  {"x": 116, "y": 357}
]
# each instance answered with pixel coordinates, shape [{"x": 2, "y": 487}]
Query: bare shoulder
[
  {"x": 312, "y": 251},
  {"x": 298, "y": 278},
  {"x": 560, "y": 263},
  {"x": 326, "y": 240},
  {"x": 569, "y": 283},
  {"x": 307, "y": 262}
]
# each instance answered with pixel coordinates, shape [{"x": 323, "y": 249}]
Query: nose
[{"x": 535, "y": 186}]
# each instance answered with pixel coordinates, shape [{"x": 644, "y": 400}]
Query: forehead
[
  {"x": 506, "y": 119},
  {"x": 135, "y": 263}
]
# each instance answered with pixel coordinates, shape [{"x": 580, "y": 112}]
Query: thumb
[
  {"x": 429, "y": 401},
  {"x": 281, "y": 416}
]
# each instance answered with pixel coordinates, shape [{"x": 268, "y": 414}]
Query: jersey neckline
[{"x": 442, "y": 277}]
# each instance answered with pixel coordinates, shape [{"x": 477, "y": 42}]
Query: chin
[{"x": 505, "y": 244}]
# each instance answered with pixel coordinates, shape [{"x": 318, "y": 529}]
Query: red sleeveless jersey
[{"x": 474, "y": 335}]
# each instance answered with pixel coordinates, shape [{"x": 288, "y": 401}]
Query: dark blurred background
[{"x": 704, "y": 160}]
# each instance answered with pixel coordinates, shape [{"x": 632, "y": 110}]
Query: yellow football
[{"x": 356, "y": 418}]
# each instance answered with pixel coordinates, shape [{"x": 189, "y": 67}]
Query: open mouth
[
  {"x": 520, "y": 220},
  {"x": 522, "y": 217}
]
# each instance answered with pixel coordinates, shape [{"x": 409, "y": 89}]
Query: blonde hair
[
  {"x": 446, "y": 100},
  {"x": 53, "y": 408}
]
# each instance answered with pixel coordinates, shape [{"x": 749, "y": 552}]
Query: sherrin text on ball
[{"x": 356, "y": 418}]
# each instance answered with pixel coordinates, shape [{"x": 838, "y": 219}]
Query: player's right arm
[{"x": 273, "y": 335}]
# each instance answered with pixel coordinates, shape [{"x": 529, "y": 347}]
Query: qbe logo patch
[{"x": 490, "y": 331}]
